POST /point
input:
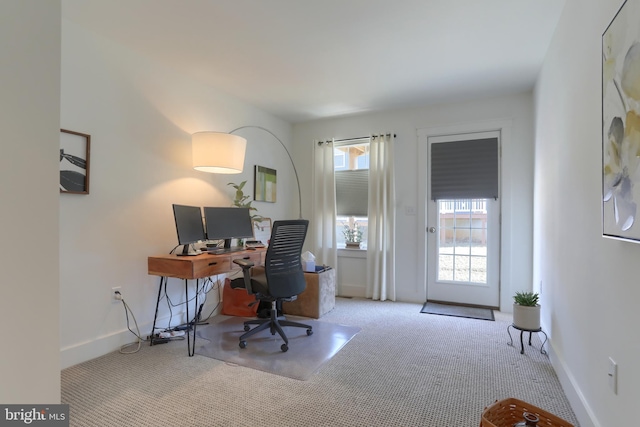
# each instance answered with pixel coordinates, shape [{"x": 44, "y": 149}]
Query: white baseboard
[
  {"x": 577, "y": 400},
  {"x": 91, "y": 349},
  {"x": 354, "y": 291}
]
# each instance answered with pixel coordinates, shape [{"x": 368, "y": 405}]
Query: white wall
[
  {"x": 351, "y": 275},
  {"x": 517, "y": 183},
  {"x": 29, "y": 179},
  {"x": 589, "y": 284},
  {"x": 140, "y": 116}
]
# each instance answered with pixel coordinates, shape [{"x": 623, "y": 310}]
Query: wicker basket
[{"x": 507, "y": 412}]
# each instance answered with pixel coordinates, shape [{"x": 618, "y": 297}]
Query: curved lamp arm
[{"x": 295, "y": 171}]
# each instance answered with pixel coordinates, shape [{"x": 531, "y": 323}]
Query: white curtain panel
[
  {"x": 324, "y": 212},
  {"x": 382, "y": 219}
]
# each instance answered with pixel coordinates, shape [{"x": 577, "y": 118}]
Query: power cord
[
  {"x": 210, "y": 284},
  {"x": 201, "y": 292},
  {"x": 139, "y": 340},
  {"x": 218, "y": 286},
  {"x": 207, "y": 286}
]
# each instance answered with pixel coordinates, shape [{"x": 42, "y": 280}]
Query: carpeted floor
[
  {"x": 402, "y": 369},
  {"x": 457, "y": 311},
  {"x": 305, "y": 356}
]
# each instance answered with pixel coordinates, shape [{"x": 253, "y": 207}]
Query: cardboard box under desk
[{"x": 318, "y": 298}]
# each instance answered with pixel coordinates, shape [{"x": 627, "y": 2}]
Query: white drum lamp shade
[{"x": 218, "y": 152}]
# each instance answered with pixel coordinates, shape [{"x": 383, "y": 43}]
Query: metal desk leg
[
  {"x": 163, "y": 280},
  {"x": 195, "y": 319},
  {"x": 191, "y": 346},
  {"x": 186, "y": 298}
]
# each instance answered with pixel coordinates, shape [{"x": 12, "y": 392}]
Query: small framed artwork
[
  {"x": 75, "y": 149},
  {"x": 621, "y": 124},
  {"x": 264, "y": 189}
]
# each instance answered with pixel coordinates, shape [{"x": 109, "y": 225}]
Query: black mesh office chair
[{"x": 282, "y": 280}]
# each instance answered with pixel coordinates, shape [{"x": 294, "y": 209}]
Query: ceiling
[{"x": 304, "y": 60}]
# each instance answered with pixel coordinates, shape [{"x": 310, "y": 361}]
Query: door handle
[{"x": 431, "y": 229}]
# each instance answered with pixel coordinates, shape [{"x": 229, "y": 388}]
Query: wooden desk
[{"x": 195, "y": 267}]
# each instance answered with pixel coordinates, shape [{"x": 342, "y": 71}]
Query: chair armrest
[
  {"x": 245, "y": 264},
  {"x": 246, "y": 267}
]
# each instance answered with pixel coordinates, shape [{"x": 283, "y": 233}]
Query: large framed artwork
[
  {"x": 264, "y": 189},
  {"x": 75, "y": 150},
  {"x": 621, "y": 124}
]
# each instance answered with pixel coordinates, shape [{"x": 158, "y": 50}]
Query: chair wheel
[
  {"x": 246, "y": 328},
  {"x": 284, "y": 347},
  {"x": 309, "y": 331},
  {"x": 243, "y": 344}
]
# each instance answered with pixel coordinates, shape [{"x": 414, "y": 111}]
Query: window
[
  {"x": 351, "y": 165},
  {"x": 462, "y": 243},
  {"x": 339, "y": 160}
]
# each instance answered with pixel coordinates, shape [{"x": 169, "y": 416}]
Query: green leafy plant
[
  {"x": 352, "y": 234},
  {"x": 527, "y": 299},
  {"x": 242, "y": 200}
]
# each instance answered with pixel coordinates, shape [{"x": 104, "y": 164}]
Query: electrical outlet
[
  {"x": 613, "y": 375},
  {"x": 116, "y": 294}
]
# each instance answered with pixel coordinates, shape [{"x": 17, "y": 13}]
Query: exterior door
[{"x": 463, "y": 244}]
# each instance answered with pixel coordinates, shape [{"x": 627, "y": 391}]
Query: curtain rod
[{"x": 351, "y": 139}]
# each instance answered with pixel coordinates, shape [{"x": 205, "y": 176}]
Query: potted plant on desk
[{"x": 526, "y": 311}]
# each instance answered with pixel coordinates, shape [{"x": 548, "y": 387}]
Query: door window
[{"x": 462, "y": 241}]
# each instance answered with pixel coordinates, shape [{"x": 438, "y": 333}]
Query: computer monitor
[
  {"x": 188, "y": 226},
  {"x": 227, "y": 224}
]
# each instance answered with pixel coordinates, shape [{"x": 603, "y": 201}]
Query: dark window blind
[
  {"x": 352, "y": 192},
  {"x": 464, "y": 169}
]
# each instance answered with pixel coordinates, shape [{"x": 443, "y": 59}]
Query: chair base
[{"x": 274, "y": 324}]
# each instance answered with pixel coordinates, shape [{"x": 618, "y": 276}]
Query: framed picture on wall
[
  {"x": 264, "y": 189},
  {"x": 621, "y": 124},
  {"x": 75, "y": 149}
]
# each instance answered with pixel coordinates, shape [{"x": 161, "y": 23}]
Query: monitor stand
[
  {"x": 186, "y": 251},
  {"x": 226, "y": 249}
]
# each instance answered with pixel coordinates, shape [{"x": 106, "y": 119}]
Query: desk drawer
[
  {"x": 211, "y": 266},
  {"x": 255, "y": 257},
  {"x": 196, "y": 267}
]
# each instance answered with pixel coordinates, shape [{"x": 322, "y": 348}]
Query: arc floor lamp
[{"x": 219, "y": 152}]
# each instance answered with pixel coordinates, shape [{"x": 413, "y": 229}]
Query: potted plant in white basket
[
  {"x": 352, "y": 235},
  {"x": 526, "y": 311}
]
